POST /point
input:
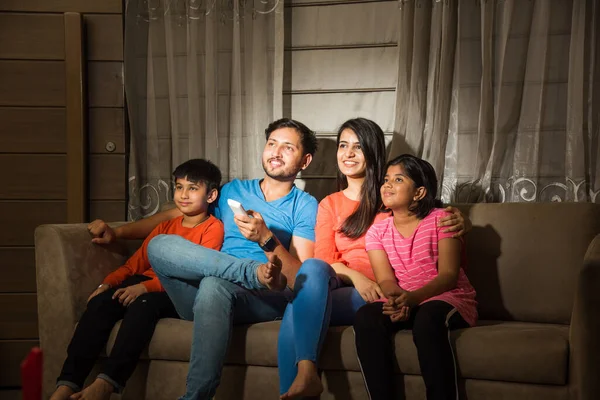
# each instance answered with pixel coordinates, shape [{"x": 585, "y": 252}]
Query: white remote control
[{"x": 236, "y": 207}]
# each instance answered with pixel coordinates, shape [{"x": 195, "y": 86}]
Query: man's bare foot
[
  {"x": 98, "y": 390},
  {"x": 62, "y": 393},
  {"x": 306, "y": 384},
  {"x": 270, "y": 275}
]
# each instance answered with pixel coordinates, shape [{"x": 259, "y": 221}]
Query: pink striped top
[{"x": 414, "y": 260}]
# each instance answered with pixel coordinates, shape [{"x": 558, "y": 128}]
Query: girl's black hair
[
  {"x": 423, "y": 174},
  {"x": 199, "y": 170},
  {"x": 372, "y": 142}
]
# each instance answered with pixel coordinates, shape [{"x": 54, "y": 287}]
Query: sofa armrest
[
  {"x": 585, "y": 327},
  {"x": 68, "y": 268}
]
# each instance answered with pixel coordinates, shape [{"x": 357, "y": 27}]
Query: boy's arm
[
  {"x": 138, "y": 263},
  {"x": 104, "y": 234}
]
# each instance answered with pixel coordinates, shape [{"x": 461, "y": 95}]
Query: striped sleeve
[{"x": 373, "y": 237}]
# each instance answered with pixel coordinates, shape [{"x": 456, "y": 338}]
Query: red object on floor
[{"x": 31, "y": 375}]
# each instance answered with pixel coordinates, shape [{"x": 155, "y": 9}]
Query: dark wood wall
[{"x": 40, "y": 180}]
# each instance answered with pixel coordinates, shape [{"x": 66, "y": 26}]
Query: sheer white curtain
[
  {"x": 199, "y": 86},
  {"x": 502, "y": 97}
]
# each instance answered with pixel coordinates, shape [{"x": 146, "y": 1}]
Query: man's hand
[
  {"x": 127, "y": 295},
  {"x": 253, "y": 226},
  {"x": 101, "y": 232},
  {"x": 368, "y": 290},
  {"x": 102, "y": 288},
  {"x": 457, "y": 222}
]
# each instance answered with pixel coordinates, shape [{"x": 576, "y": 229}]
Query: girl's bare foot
[
  {"x": 62, "y": 393},
  {"x": 98, "y": 390},
  {"x": 270, "y": 275},
  {"x": 306, "y": 384}
]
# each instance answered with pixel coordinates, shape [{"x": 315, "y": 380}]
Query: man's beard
[{"x": 284, "y": 174}]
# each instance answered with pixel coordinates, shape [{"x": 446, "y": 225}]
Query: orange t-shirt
[
  {"x": 331, "y": 245},
  {"x": 208, "y": 234}
]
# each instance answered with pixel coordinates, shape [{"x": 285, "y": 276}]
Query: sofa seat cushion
[{"x": 493, "y": 350}]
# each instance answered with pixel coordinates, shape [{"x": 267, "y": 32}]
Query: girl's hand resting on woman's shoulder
[{"x": 368, "y": 290}]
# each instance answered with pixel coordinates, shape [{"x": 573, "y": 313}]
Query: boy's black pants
[
  {"x": 430, "y": 325},
  {"x": 95, "y": 325}
]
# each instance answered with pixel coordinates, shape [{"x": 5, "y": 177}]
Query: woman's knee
[
  {"x": 314, "y": 267},
  {"x": 428, "y": 325}
]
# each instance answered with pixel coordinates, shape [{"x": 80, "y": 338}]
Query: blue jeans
[
  {"x": 320, "y": 300},
  {"x": 199, "y": 281}
]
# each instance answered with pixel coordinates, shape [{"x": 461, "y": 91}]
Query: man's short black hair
[
  {"x": 307, "y": 137},
  {"x": 199, "y": 170}
]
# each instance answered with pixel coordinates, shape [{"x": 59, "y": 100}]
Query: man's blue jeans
[{"x": 200, "y": 282}]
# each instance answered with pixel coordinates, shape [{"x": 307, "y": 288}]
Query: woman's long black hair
[{"x": 372, "y": 141}]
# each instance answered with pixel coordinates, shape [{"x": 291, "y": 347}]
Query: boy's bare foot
[
  {"x": 62, "y": 393},
  {"x": 98, "y": 390},
  {"x": 270, "y": 275},
  {"x": 306, "y": 384}
]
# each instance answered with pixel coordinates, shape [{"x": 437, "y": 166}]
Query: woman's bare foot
[
  {"x": 306, "y": 384},
  {"x": 269, "y": 274},
  {"x": 62, "y": 393},
  {"x": 98, "y": 390}
]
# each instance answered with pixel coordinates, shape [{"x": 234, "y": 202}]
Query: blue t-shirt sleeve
[
  {"x": 306, "y": 219},
  {"x": 216, "y": 209}
]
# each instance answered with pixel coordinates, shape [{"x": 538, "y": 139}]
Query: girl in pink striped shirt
[{"x": 419, "y": 268}]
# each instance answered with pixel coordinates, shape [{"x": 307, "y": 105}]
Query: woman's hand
[
  {"x": 457, "y": 222},
  {"x": 395, "y": 311},
  {"x": 127, "y": 295},
  {"x": 102, "y": 288},
  {"x": 368, "y": 290}
]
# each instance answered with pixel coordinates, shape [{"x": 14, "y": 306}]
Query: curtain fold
[
  {"x": 505, "y": 105},
  {"x": 202, "y": 80}
]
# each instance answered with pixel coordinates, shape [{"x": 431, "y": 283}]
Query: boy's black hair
[
  {"x": 199, "y": 170},
  {"x": 307, "y": 137},
  {"x": 423, "y": 174}
]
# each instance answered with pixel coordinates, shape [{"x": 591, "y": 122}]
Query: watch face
[{"x": 270, "y": 244}]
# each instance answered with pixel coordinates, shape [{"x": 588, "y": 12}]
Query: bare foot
[
  {"x": 306, "y": 384},
  {"x": 270, "y": 275},
  {"x": 98, "y": 390},
  {"x": 62, "y": 393}
]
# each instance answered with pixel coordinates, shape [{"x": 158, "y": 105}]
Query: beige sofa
[{"x": 536, "y": 268}]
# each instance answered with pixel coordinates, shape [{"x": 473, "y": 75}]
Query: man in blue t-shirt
[{"x": 263, "y": 249}]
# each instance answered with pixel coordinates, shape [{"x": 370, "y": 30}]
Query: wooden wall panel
[
  {"x": 18, "y": 316},
  {"x": 28, "y": 176},
  {"x": 59, "y": 6},
  {"x": 105, "y": 84},
  {"x": 32, "y": 130},
  {"x": 11, "y": 394},
  {"x": 20, "y": 218},
  {"x": 32, "y": 83},
  {"x": 108, "y": 210},
  {"x": 107, "y": 177},
  {"x": 17, "y": 270},
  {"x": 32, "y": 36},
  {"x": 104, "y": 37},
  {"x": 12, "y": 352},
  {"x": 106, "y": 125}
]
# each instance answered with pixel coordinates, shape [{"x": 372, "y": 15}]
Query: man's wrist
[{"x": 269, "y": 244}]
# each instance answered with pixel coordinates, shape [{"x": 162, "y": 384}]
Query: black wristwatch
[{"x": 270, "y": 244}]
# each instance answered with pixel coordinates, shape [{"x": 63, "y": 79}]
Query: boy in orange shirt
[{"x": 133, "y": 293}]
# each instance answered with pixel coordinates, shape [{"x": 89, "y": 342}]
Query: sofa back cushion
[{"x": 524, "y": 258}]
